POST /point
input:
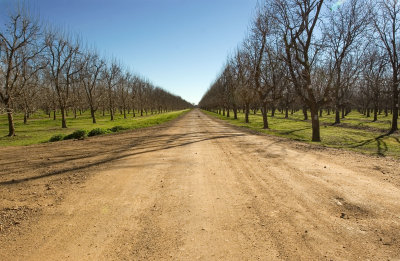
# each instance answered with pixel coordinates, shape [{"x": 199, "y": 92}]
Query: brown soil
[{"x": 196, "y": 188}]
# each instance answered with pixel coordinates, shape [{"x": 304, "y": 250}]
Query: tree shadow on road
[{"x": 120, "y": 147}]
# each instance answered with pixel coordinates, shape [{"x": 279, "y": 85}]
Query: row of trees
[
  {"x": 42, "y": 68},
  {"x": 314, "y": 55}
]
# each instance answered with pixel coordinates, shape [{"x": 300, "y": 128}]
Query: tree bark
[
  {"x": 305, "y": 113},
  {"x": 337, "y": 115},
  {"x": 247, "y": 112},
  {"x": 11, "y": 128},
  {"x": 265, "y": 116},
  {"x": 111, "y": 114},
  {"x": 395, "y": 115},
  {"x": 63, "y": 120},
  {"x": 315, "y": 124},
  {"x": 25, "y": 117},
  {"x": 93, "y": 114}
]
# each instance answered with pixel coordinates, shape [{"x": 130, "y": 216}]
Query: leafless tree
[
  {"x": 298, "y": 22},
  {"x": 90, "y": 78},
  {"x": 63, "y": 57},
  {"x": 344, "y": 31},
  {"x": 112, "y": 75},
  {"x": 387, "y": 26},
  {"x": 19, "y": 45},
  {"x": 258, "y": 50}
]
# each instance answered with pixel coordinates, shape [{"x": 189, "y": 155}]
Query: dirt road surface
[{"x": 196, "y": 189}]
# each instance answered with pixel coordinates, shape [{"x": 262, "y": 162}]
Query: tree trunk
[
  {"x": 54, "y": 114},
  {"x": 11, "y": 128},
  {"x": 247, "y": 112},
  {"x": 287, "y": 112},
  {"x": 227, "y": 113},
  {"x": 92, "y": 113},
  {"x": 315, "y": 124},
  {"x": 264, "y": 115},
  {"x": 63, "y": 121},
  {"x": 337, "y": 115},
  {"x": 305, "y": 113},
  {"x": 375, "y": 113},
  {"x": 111, "y": 114},
  {"x": 395, "y": 106},
  {"x": 235, "y": 112},
  {"x": 25, "y": 117}
]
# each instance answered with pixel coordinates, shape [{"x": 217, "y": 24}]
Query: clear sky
[{"x": 179, "y": 45}]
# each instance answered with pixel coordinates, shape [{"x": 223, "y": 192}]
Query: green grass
[
  {"x": 40, "y": 128},
  {"x": 357, "y": 132}
]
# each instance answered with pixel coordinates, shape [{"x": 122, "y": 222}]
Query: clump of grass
[
  {"x": 97, "y": 131},
  {"x": 118, "y": 128},
  {"x": 78, "y": 135},
  {"x": 57, "y": 137}
]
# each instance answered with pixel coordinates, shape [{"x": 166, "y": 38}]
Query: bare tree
[
  {"x": 257, "y": 45},
  {"x": 112, "y": 74},
  {"x": 90, "y": 78},
  {"x": 18, "y": 46},
  {"x": 298, "y": 21},
  {"x": 343, "y": 31},
  {"x": 387, "y": 26},
  {"x": 373, "y": 73},
  {"x": 63, "y": 60},
  {"x": 122, "y": 90},
  {"x": 245, "y": 89}
]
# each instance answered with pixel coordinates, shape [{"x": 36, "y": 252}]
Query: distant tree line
[
  {"x": 47, "y": 69},
  {"x": 316, "y": 56}
]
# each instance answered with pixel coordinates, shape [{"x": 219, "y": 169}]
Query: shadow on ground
[{"x": 64, "y": 157}]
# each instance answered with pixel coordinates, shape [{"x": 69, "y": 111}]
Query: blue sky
[{"x": 179, "y": 45}]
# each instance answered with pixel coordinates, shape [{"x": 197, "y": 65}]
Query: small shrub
[
  {"x": 97, "y": 131},
  {"x": 78, "y": 134},
  {"x": 118, "y": 128},
  {"x": 56, "y": 137}
]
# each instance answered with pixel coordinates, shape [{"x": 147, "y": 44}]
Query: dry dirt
[{"x": 196, "y": 188}]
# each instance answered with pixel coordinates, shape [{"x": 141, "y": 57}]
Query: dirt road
[{"x": 196, "y": 188}]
